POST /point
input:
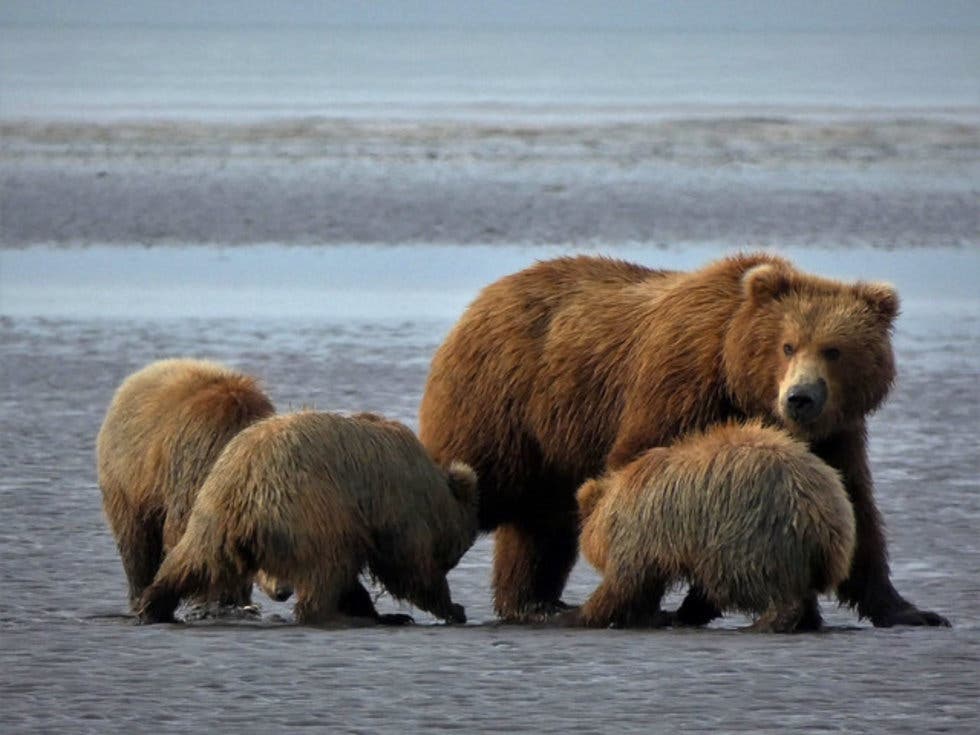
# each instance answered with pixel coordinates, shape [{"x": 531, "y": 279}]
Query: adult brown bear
[{"x": 576, "y": 365}]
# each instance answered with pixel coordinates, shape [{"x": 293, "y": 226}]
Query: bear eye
[
  {"x": 831, "y": 353},
  {"x": 788, "y": 349}
]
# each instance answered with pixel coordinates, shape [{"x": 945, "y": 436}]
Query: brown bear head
[
  {"x": 812, "y": 353},
  {"x": 275, "y": 588}
]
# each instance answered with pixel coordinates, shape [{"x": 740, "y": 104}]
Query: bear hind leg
[
  {"x": 140, "y": 544},
  {"x": 810, "y": 618},
  {"x": 696, "y": 609},
  {"x": 330, "y": 593},
  {"x": 626, "y": 601}
]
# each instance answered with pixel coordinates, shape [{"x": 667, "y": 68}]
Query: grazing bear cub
[
  {"x": 164, "y": 429},
  {"x": 313, "y": 498},
  {"x": 745, "y": 512}
]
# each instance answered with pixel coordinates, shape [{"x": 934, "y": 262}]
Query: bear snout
[{"x": 805, "y": 401}]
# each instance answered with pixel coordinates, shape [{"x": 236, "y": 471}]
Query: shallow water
[
  {"x": 505, "y": 74},
  {"x": 71, "y": 660}
]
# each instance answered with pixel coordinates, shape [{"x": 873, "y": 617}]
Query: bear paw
[
  {"x": 644, "y": 619},
  {"x": 538, "y": 612},
  {"x": 395, "y": 619},
  {"x": 148, "y": 616},
  {"x": 457, "y": 614},
  {"x": 909, "y": 615}
]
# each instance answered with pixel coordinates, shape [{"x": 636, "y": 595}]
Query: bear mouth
[{"x": 819, "y": 427}]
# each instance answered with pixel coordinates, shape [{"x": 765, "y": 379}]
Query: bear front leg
[
  {"x": 158, "y": 602},
  {"x": 356, "y": 602},
  {"x": 435, "y": 598},
  {"x": 317, "y": 604},
  {"x": 531, "y": 564},
  {"x": 182, "y": 574},
  {"x": 868, "y": 587}
]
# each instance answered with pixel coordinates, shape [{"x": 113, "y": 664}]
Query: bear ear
[
  {"x": 765, "y": 282},
  {"x": 588, "y": 497},
  {"x": 462, "y": 482},
  {"x": 882, "y": 297}
]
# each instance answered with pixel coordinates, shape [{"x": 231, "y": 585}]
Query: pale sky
[{"x": 820, "y": 15}]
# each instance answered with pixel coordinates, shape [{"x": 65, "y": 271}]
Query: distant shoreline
[{"x": 490, "y": 114}]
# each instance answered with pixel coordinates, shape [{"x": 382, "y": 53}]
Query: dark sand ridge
[{"x": 836, "y": 181}]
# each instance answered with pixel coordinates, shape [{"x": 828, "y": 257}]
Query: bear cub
[
  {"x": 744, "y": 512},
  {"x": 165, "y": 427},
  {"x": 314, "y": 499}
]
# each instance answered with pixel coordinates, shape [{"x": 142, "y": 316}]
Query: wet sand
[
  {"x": 72, "y": 661},
  {"x": 841, "y": 179}
]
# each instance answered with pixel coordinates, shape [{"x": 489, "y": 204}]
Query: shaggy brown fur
[
  {"x": 312, "y": 498},
  {"x": 576, "y": 365},
  {"x": 747, "y": 513},
  {"x": 165, "y": 427}
]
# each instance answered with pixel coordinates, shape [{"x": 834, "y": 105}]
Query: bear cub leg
[
  {"x": 315, "y": 606},
  {"x": 356, "y": 601},
  {"x": 622, "y": 602},
  {"x": 321, "y": 592},
  {"x": 696, "y": 609},
  {"x": 141, "y": 549},
  {"x": 435, "y": 598},
  {"x": 797, "y": 617}
]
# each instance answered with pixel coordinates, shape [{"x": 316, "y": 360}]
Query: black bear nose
[{"x": 805, "y": 401}]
